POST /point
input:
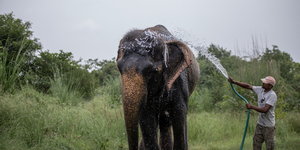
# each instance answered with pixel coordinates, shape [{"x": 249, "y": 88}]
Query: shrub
[
  {"x": 64, "y": 89},
  {"x": 112, "y": 88},
  {"x": 201, "y": 101},
  {"x": 294, "y": 122}
]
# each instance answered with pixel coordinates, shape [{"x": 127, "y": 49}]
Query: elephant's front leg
[
  {"x": 179, "y": 123},
  {"x": 149, "y": 128},
  {"x": 165, "y": 127}
]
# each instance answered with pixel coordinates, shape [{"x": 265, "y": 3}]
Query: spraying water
[
  {"x": 196, "y": 45},
  {"x": 150, "y": 40}
]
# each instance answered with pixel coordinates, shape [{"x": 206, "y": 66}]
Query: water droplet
[{"x": 195, "y": 45}]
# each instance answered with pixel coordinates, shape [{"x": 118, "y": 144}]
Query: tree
[
  {"x": 218, "y": 51},
  {"x": 103, "y": 69},
  {"x": 47, "y": 64},
  {"x": 17, "y": 49},
  {"x": 14, "y": 33},
  {"x": 284, "y": 59},
  {"x": 43, "y": 67},
  {"x": 296, "y": 75}
]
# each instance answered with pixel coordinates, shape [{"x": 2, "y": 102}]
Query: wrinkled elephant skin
[{"x": 159, "y": 73}]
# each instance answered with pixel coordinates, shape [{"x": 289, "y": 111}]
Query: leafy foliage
[
  {"x": 15, "y": 34},
  {"x": 210, "y": 77},
  {"x": 273, "y": 62},
  {"x": 10, "y": 70},
  {"x": 44, "y": 65},
  {"x": 19, "y": 64},
  {"x": 103, "y": 70},
  {"x": 284, "y": 59},
  {"x": 48, "y": 66},
  {"x": 17, "y": 49}
]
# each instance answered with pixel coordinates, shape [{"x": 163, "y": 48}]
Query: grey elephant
[{"x": 159, "y": 73}]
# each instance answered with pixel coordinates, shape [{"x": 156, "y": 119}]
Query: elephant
[{"x": 158, "y": 73}]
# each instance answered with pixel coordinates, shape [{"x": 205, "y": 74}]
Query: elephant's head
[{"x": 148, "y": 64}]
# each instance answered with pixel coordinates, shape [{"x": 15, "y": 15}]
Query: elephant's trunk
[{"x": 134, "y": 94}]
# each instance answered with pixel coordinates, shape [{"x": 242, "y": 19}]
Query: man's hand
[
  {"x": 249, "y": 106},
  {"x": 241, "y": 84},
  {"x": 231, "y": 80},
  {"x": 259, "y": 109}
]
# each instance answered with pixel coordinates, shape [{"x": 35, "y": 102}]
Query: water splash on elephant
[
  {"x": 198, "y": 45},
  {"x": 147, "y": 43},
  {"x": 150, "y": 40}
]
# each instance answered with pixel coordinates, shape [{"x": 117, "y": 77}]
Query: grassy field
[{"x": 31, "y": 120}]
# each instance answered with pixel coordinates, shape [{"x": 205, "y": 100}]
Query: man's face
[{"x": 266, "y": 86}]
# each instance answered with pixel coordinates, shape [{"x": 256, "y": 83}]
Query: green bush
[
  {"x": 74, "y": 75},
  {"x": 10, "y": 68},
  {"x": 294, "y": 122},
  {"x": 194, "y": 102},
  {"x": 201, "y": 101},
  {"x": 64, "y": 91},
  {"x": 17, "y": 48},
  {"x": 112, "y": 88}
]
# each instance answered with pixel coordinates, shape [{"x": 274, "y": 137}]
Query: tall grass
[
  {"x": 64, "y": 90},
  {"x": 112, "y": 89},
  {"x": 201, "y": 101},
  {"x": 225, "y": 131},
  {"x": 31, "y": 120},
  {"x": 10, "y": 67}
]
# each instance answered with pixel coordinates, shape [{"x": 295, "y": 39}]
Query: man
[{"x": 265, "y": 128}]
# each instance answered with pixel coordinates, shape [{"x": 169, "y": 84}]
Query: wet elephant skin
[{"x": 159, "y": 73}]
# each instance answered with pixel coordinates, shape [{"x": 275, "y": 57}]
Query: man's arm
[
  {"x": 259, "y": 109},
  {"x": 241, "y": 84}
]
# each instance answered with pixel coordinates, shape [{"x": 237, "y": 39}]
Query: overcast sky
[{"x": 93, "y": 28}]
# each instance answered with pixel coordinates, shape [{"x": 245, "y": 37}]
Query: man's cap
[{"x": 269, "y": 80}]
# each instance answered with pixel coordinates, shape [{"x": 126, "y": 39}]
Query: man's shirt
[{"x": 266, "y": 119}]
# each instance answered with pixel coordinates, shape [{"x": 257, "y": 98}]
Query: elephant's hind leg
[
  {"x": 180, "y": 132},
  {"x": 179, "y": 124}
]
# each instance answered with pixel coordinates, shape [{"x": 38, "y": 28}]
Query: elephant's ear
[
  {"x": 120, "y": 52},
  {"x": 179, "y": 59}
]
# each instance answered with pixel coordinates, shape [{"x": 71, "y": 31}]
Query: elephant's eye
[{"x": 150, "y": 74}]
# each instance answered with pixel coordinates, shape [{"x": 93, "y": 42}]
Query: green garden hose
[{"x": 247, "y": 116}]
